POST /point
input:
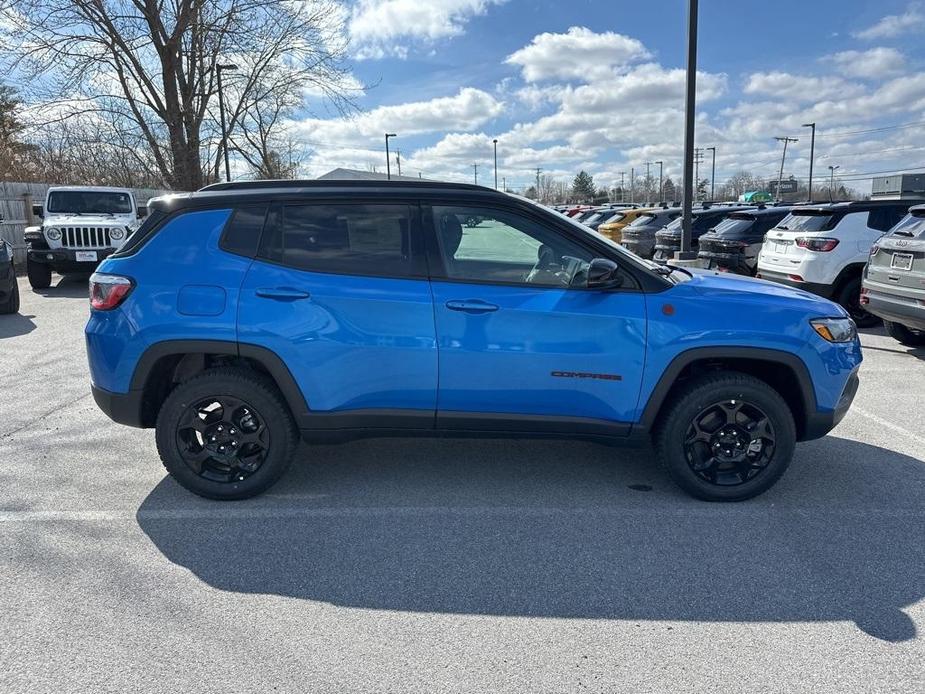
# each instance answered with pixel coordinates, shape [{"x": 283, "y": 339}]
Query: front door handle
[
  {"x": 471, "y": 306},
  {"x": 282, "y": 293}
]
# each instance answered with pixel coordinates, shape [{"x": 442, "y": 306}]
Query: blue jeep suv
[{"x": 246, "y": 316}]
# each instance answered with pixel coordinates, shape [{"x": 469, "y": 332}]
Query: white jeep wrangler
[{"x": 81, "y": 225}]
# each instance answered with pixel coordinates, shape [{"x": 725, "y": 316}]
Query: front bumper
[
  {"x": 818, "y": 424},
  {"x": 65, "y": 259},
  {"x": 827, "y": 291},
  {"x": 896, "y": 309}
]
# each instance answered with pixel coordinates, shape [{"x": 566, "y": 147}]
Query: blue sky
[{"x": 599, "y": 85}]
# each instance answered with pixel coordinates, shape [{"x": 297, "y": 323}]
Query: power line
[{"x": 848, "y": 133}]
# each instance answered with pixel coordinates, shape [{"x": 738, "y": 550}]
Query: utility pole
[
  {"x": 475, "y": 173},
  {"x": 661, "y": 190},
  {"x": 713, "y": 175},
  {"x": 221, "y": 109},
  {"x": 812, "y": 156},
  {"x": 780, "y": 176},
  {"x": 698, "y": 157},
  {"x": 504, "y": 183},
  {"x": 398, "y": 160},
  {"x": 832, "y": 184},
  {"x": 648, "y": 185},
  {"x": 632, "y": 185},
  {"x": 623, "y": 186},
  {"x": 690, "y": 113},
  {"x": 495, "y": 143},
  {"x": 388, "y": 164},
  {"x": 538, "y": 172}
]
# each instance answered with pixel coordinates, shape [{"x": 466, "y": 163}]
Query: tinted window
[
  {"x": 89, "y": 202},
  {"x": 643, "y": 219},
  {"x": 242, "y": 233},
  {"x": 885, "y": 218},
  {"x": 732, "y": 225},
  {"x": 496, "y": 246},
  {"x": 353, "y": 239},
  {"x": 808, "y": 221}
]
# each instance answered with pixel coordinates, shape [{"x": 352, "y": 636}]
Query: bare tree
[{"x": 148, "y": 69}]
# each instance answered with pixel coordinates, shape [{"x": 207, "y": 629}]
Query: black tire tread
[
  {"x": 11, "y": 305},
  {"x": 904, "y": 335},
  {"x": 251, "y": 382},
  {"x": 39, "y": 275}
]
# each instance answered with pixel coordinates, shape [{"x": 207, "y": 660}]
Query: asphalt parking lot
[{"x": 457, "y": 565}]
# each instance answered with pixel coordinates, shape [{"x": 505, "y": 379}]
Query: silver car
[{"x": 894, "y": 279}]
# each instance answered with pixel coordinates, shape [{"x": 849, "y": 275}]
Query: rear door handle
[
  {"x": 282, "y": 293},
  {"x": 471, "y": 306}
]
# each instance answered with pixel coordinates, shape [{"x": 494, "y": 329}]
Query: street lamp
[
  {"x": 713, "y": 175},
  {"x": 388, "y": 165},
  {"x": 661, "y": 190},
  {"x": 812, "y": 156},
  {"x": 832, "y": 184},
  {"x": 780, "y": 176},
  {"x": 495, "y": 143},
  {"x": 221, "y": 110},
  {"x": 689, "y": 124}
]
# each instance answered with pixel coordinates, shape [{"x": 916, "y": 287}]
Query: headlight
[
  {"x": 53, "y": 234},
  {"x": 117, "y": 233},
  {"x": 835, "y": 329}
]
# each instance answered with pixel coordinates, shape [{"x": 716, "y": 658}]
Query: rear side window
[
  {"x": 885, "y": 218},
  {"x": 356, "y": 239},
  {"x": 242, "y": 233}
]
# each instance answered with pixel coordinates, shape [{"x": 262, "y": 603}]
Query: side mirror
[
  {"x": 604, "y": 274},
  {"x": 142, "y": 211},
  {"x": 37, "y": 211}
]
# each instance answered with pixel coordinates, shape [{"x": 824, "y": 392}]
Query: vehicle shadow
[
  {"x": 67, "y": 286},
  {"x": 556, "y": 529},
  {"x": 15, "y": 324},
  {"x": 895, "y": 346}
]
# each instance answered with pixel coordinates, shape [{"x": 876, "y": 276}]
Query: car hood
[
  {"x": 728, "y": 285},
  {"x": 86, "y": 219}
]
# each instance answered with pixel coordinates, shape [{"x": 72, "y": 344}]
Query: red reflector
[
  {"x": 795, "y": 278},
  {"x": 108, "y": 291}
]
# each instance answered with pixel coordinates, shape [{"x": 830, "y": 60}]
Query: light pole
[
  {"x": 661, "y": 190},
  {"x": 495, "y": 143},
  {"x": 780, "y": 176},
  {"x": 388, "y": 164},
  {"x": 475, "y": 173},
  {"x": 689, "y": 117},
  {"x": 648, "y": 185},
  {"x": 221, "y": 111},
  {"x": 832, "y": 184},
  {"x": 633, "y": 185},
  {"x": 713, "y": 175},
  {"x": 812, "y": 156},
  {"x": 623, "y": 186}
]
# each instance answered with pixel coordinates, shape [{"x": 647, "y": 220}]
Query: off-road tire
[
  {"x": 690, "y": 401},
  {"x": 904, "y": 335},
  {"x": 265, "y": 398},
  {"x": 11, "y": 305},
  {"x": 39, "y": 274}
]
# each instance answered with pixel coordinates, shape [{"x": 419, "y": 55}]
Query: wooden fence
[{"x": 16, "y": 201}]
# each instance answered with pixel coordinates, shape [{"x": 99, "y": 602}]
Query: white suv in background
[{"x": 823, "y": 249}]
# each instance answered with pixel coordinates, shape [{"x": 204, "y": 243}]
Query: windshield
[
  {"x": 910, "y": 227},
  {"x": 89, "y": 202},
  {"x": 806, "y": 221},
  {"x": 615, "y": 218},
  {"x": 593, "y": 218}
]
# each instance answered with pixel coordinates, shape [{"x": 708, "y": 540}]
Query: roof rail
[{"x": 335, "y": 183}]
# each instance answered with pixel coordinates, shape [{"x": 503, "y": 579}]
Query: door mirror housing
[
  {"x": 604, "y": 274},
  {"x": 142, "y": 212}
]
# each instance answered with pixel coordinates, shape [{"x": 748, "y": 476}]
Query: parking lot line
[{"x": 887, "y": 424}]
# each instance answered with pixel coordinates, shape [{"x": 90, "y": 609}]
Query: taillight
[
  {"x": 108, "y": 291},
  {"x": 874, "y": 250},
  {"x": 865, "y": 299},
  {"x": 822, "y": 245}
]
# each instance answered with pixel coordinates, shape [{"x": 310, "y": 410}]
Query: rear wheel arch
[
  {"x": 785, "y": 372},
  {"x": 166, "y": 364}
]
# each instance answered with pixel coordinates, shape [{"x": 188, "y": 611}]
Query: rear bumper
[
  {"x": 907, "y": 312},
  {"x": 641, "y": 247},
  {"x": 123, "y": 408},
  {"x": 736, "y": 262},
  {"x": 826, "y": 291},
  {"x": 818, "y": 424},
  {"x": 65, "y": 259}
]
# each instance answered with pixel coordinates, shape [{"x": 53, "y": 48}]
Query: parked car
[
  {"x": 894, "y": 279},
  {"x": 668, "y": 240},
  {"x": 733, "y": 245},
  {"x": 823, "y": 249},
  {"x": 639, "y": 236},
  {"x": 593, "y": 218},
  {"x": 613, "y": 229},
  {"x": 362, "y": 308},
  {"x": 9, "y": 288},
  {"x": 81, "y": 225}
]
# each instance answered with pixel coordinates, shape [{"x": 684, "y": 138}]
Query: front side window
[
  {"x": 507, "y": 248},
  {"x": 356, "y": 239}
]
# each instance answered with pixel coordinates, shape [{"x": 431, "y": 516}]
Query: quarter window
[
  {"x": 356, "y": 239},
  {"x": 243, "y": 231},
  {"x": 885, "y": 218},
  {"x": 487, "y": 245}
]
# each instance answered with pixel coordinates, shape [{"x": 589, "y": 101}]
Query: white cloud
[
  {"x": 894, "y": 24},
  {"x": 579, "y": 54},
  {"x": 799, "y": 88},
  {"x": 380, "y": 28},
  {"x": 875, "y": 63},
  {"x": 468, "y": 109}
]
